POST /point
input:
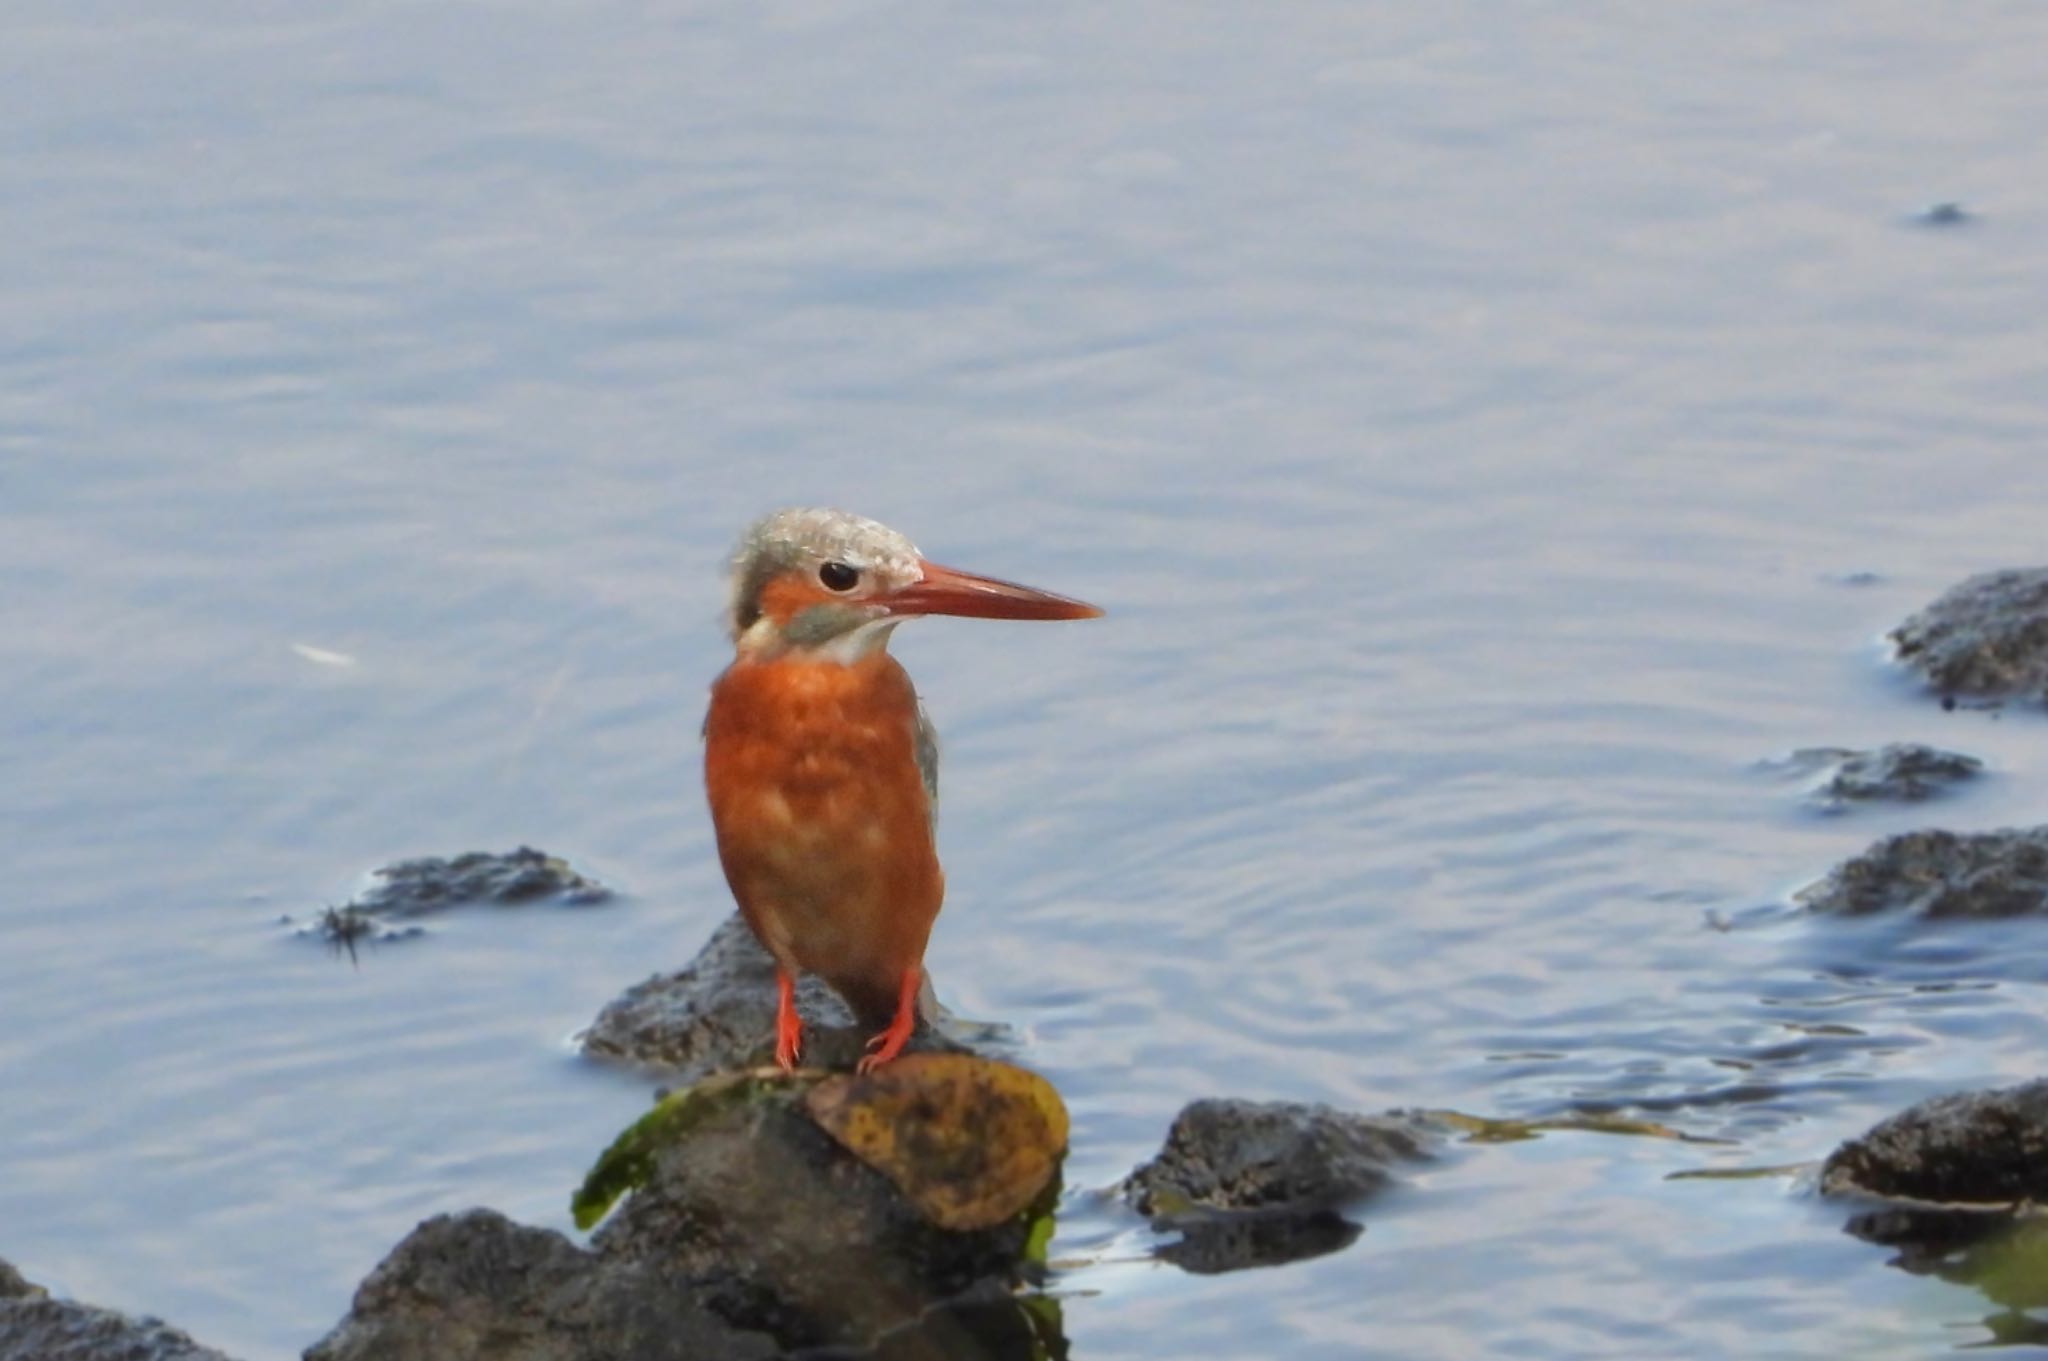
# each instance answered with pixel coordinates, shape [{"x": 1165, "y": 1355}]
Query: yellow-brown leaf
[{"x": 971, "y": 1142}]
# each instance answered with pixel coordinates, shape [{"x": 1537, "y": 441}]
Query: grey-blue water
[{"x": 1475, "y": 417}]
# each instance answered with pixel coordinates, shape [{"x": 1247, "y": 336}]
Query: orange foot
[
  {"x": 789, "y": 1031},
  {"x": 890, "y": 1042}
]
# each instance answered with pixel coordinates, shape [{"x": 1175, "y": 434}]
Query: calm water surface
[{"x": 1477, "y": 420}]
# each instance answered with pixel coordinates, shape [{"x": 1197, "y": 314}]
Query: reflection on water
[
  {"x": 2002, "y": 1258},
  {"x": 1482, "y": 427},
  {"x": 1022, "y": 1329}
]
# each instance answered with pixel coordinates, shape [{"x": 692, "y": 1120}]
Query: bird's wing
[{"x": 925, "y": 743}]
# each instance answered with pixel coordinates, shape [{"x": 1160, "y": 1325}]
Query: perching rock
[
  {"x": 1256, "y": 1183},
  {"x": 1986, "y": 637},
  {"x": 717, "y": 1014},
  {"x": 1941, "y": 874},
  {"x": 1901, "y": 772},
  {"x": 759, "y": 1202},
  {"x": 477, "y": 1285},
  {"x": 34, "y": 1327},
  {"x": 750, "y": 1232},
  {"x": 1974, "y": 1148}
]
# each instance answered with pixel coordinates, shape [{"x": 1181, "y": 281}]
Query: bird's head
[{"x": 834, "y": 585}]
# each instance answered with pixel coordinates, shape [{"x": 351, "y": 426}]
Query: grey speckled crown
[{"x": 802, "y": 536}]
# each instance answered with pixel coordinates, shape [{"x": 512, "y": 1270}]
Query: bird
[{"x": 821, "y": 766}]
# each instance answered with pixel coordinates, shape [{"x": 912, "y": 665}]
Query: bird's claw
[
  {"x": 789, "y": 1028},
  {"x": 881, "y": 1055}
]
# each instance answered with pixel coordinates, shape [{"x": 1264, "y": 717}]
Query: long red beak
[{"x": 946, "y": 591}]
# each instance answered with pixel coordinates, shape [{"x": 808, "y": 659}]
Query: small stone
[
  {"x": 1227, "y": 1163},
  {"x": 412, "y": 888},
  {"x": 1985, "y": 1148},
  {"x": 1902, "y": 772},
  {"x": 1273, "y": 1156},
  {"x": 1940, "y": 874},
  {"x": 1987, "y": 637},
  {"x": 1947, "y": 214}
]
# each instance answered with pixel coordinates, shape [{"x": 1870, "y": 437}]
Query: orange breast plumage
[{"x": 823, "y": 819}]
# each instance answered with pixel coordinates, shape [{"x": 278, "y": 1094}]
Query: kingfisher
[{"x": 821, "y": 766}]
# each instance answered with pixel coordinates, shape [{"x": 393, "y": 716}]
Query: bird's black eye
[{"x": 838, "y": 576}]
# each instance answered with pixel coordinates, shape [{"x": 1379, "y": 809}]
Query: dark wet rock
[
  {"x": 1949, "y": 214},
  {"x": 478, "y": 1285},
  {"x": 1274, "y": 1156},
  {"x": 34, "y": 1327},
  {"x": 813, "y": 1244},
  {"x": 1987, "y": 637},
  {"x": 1972, "y": 1148},
  {"x": 1940, "y": 874},
  {"x": 1286, "y": 1166},
  {"x": 410, "y": 889},
  {"x": 717, "y": 1014},
  {"x": 751, "y": 1233},
  {"x": 1900, "y": 772},
  {"x": 414, "y": 888}
]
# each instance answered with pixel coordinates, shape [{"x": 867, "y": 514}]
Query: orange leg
[
  {"x": 789, "y": 1031},
  {"x": 890, "y": 1042}
]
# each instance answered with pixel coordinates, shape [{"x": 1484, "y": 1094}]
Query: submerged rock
[
  {"x": 752, "y": 1231},
  {"x": 414, "y": 888},
  {"x": 1940, "y": 874},
  {"x": 717, "y": 1013},
  {"x": 409, "y": 889},
  {"x": 34, "y": 1327},
  {"x": 1974, "y": 1148},
  {"x": 1902, "y": 772},
  {"x": 1987, "y": 637},
  {"x": 1945, "y": 214},
  {"x": 1258, "y": 1183}
]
